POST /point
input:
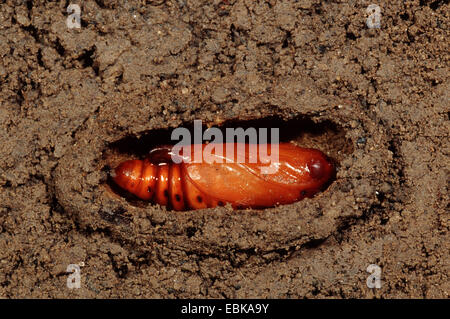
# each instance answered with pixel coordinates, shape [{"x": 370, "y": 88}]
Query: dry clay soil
[{"x": 76, "y": 101}]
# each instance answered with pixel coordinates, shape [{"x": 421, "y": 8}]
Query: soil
[{"x": 76, "y": 101}]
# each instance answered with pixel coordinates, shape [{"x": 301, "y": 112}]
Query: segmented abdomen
[{"x": 163, "y": 183}]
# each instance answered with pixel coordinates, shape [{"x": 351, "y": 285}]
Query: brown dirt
[{"x": 73, "y": 102}]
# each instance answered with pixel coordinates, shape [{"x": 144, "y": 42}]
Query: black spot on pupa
[
  {"x": 220, "y": 203},
  {"x": 199, "y": 199},
  {"x": 149, "y": 189},
  {"x": 166, "y": 193},
  {"x": 177, "y": 197},
  {"x": 303, "y": 193}
]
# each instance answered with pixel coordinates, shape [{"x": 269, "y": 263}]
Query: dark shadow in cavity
[{"x": 326, "y": 136}]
